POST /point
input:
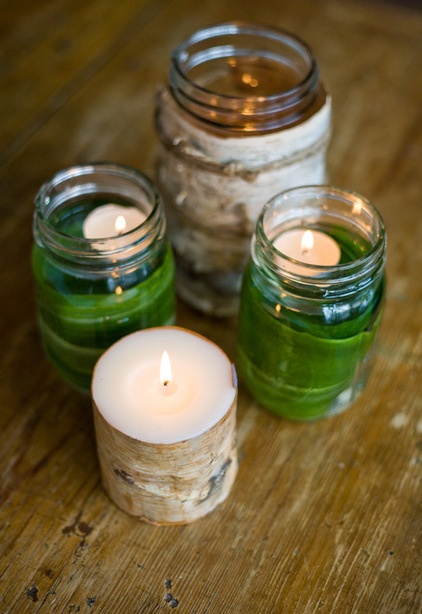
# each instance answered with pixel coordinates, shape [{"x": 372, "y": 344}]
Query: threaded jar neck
[
  {"x": 349, "y": 218},
  {"x": 246, "y": 78},
  {"x": 62, "y": 198}
]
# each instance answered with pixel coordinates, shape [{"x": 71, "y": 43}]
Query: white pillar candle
[
  {"x": 111, "y": 220},
  {"x": 308, "y": 246},
  {"x": 166, "y": 441}
]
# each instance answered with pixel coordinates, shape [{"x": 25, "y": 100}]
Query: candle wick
[{"x": 166, "y": 382}]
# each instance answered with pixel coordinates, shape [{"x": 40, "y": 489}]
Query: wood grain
[{"x": 322, "y": 517}]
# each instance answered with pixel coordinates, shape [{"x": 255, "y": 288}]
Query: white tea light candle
[
  {"x": 111, "y": 220},
  {"x": 166, "y": 443},
  {"x": 308, "y": 246}
]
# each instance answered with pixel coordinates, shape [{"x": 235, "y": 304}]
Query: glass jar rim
[
  {"x": 264, "y": 112},
  {"x": 317, "y": 275},
  {"x": 139, "y": 237}
]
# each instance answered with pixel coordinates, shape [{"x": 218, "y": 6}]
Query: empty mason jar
[
  {"x": 95, "y": 280},
  {"x": 309, "y": 315},
  {"x": 244, "y": 116}
]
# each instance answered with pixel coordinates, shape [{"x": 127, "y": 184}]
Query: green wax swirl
[
  {"x": 79, "y": 318},
  {"x": 310, "y": 363}
]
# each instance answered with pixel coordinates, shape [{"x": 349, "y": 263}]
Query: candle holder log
[{"x": 168, "y": 483}]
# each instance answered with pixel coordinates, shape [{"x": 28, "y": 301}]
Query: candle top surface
[
  {"x": 309, "y": 246},
  {"x": 130, "y": 395},
  {"x": 110, "y": 220}
]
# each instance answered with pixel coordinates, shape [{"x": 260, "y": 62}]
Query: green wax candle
[
  {"x": 301, "y": 366},
  {"x": 306, "y": 334},
  {"x": 90, "y": 290},
  {"x": 78, "y": 319}
]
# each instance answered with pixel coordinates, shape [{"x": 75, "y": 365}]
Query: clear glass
[
  {"x": 306, "y": 332},
  {"x": 244, "y": 116},
  {"x": 92, "y": 292},
  {"x": 246, "y": 77}
]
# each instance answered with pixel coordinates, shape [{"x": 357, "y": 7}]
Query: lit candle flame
[
  {"x": 120, "y": 224},
  {"x": 307, "y": 241},
  {"x": 166, "y": 373}
]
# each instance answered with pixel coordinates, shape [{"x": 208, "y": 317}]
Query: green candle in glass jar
[
  {"x": 102, "y": 264},
  {"x": 310, "y": 312}
]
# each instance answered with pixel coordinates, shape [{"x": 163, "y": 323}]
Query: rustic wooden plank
[{"x": 51, "y": 52}]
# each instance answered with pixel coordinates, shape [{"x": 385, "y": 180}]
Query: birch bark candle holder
[
  {"x": 164, "y": 402},
  {"x": 244, "y": 116}
]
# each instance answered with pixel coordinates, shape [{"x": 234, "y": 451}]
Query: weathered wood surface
[{"x": 322, "y": 517}]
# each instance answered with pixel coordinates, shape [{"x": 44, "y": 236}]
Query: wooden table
[{"x": 323, "y": 517}]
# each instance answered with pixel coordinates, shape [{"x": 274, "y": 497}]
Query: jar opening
[
  {"x": 347, "y": 219},
  {"x": 64, "y": 203},
  {"x": 246, "y": 77}
]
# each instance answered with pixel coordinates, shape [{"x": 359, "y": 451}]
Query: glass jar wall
[
  {"x": 97, "y": 282},
  {"x": 306, "y": 329}
]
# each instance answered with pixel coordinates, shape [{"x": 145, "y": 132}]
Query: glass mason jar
[
  {"x": 244, "y": 116},
  {"x": 92, "y": 289},
  {"x": 306, "y": 329}
]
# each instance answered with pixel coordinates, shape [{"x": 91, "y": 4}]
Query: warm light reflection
[
  {"x": 357, "y": 208},
  {"x": 166, "y": 373},
  {"x": 249, "y": 80},
  {"x": 120, "y": 224},
  {"x": 118, "y": 290},
  {"x": 307, "y": 241}
]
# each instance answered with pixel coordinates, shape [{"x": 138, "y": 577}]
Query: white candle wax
[
  {"x": 310, "y": 247},
  {"x": 111, "y": 220},
  {"x": 127, "y": 390}
]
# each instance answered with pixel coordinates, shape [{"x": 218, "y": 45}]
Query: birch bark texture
[
  {"x": 168, "y": 483},
  {"x": 214, "y": 186}
]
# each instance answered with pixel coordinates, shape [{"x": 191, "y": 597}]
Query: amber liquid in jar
[{"x": 250, "y": 76}]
